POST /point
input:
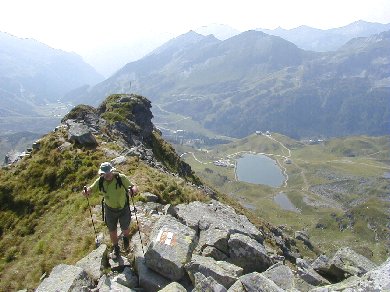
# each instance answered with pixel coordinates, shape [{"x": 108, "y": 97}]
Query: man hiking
[{"x": 114, "y": 187}]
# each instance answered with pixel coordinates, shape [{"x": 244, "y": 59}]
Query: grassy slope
[
  {"x": 354, "y": 166},
  {"x": 45, "y": 220}
]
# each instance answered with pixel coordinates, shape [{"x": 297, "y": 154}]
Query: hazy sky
[{"x": 81, "y": 25}]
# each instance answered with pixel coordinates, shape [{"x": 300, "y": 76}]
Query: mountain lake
[
  {"x": 259, "y": 169},
  {"x": 284, "y": 202}
]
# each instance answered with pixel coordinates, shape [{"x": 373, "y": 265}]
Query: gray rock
[
  {"x": 127, "y": 278},
  {"x": 173, "y": 287},
  {"x": 281, "y": 275},
  {"x": 119, "y": 263},
  {"x": 93, "y": 263},
  {"x": 64, "y": 146},
  {"x": 237, "y": 287},
  {"x": 254, "y": 282},
  {"x": 169, "y": 210},
  {"x": 80, "y": 133},
  {"x": 148, "y": 279},
  {"x": 198, "y": 277},
  {"x": 321, "y": 264},
  {"x": 303, "y": 236},
  {"x": 153, "y": 208},
  {"x": 347, "y": 262},
  {"x": 170, "y": 247},
  {"x": 213, "y": 238},
  {"x": 309, "y": 275},
  {"x": 66, "y": 278},
  {"x": 215, "y": 215},
  {"x": 106, "y": 284},
  {"x": 12, "y": 157},
  {"x": 119, "y": 160},
  {"x": 247, "y": 253},
  {"x": 149, "y": 197},
  {"x": 36, "y": 145},
  {"x": 209, "y": 285},
  {"x": 287, "y": 245},
  {"x": 224, "y": 273},
  {"x": 378, "y": 279},
  {"x": 214, "y": 253}
]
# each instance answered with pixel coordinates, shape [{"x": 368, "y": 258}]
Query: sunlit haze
[{"x": 92, "y": 27}]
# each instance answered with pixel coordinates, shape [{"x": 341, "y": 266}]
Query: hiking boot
[
  {"x": 116, "y": 252},
  {"x": 126, "y": 243}
]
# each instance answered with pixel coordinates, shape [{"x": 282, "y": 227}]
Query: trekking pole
[
  {"x": 90, "y": 212},
  {"x": 136, "y": 218}
]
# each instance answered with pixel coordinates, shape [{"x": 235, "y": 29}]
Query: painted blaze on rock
[{"x": 170, "y": 248}]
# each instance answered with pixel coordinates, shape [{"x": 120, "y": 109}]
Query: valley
[{"x": 336, "y": 188}]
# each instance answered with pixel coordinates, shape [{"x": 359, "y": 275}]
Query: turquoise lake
[{"x": 259, "y": 169}]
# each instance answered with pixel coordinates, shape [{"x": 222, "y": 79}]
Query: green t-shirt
[{"x": 115, "y": 196}]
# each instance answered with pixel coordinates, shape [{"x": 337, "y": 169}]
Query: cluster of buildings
[
  {"x": 223, "y": 163},
  {"x": 267, "y": 133}
]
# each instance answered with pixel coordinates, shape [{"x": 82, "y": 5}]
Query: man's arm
[
  {"x": 87, "y": 191},
  {"x": 133, "y": 189}
]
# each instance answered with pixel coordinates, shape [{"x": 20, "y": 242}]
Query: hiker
[{"x": 114, "y": 187}]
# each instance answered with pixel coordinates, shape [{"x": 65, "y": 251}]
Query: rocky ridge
[
  {"x": 195, "y": 246},
  {"x": 209, "y": 247}
]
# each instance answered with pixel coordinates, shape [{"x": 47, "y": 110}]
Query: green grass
[
  {"x": 44, "y": 219},
  {"x": 355, "y": 180}
]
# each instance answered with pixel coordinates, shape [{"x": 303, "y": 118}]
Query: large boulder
[
  {"x": 247, "y": 253},
  {"x": 213, "y": 242},
  {"x": 378, "y": 279},
  {"x": 309, "y": 275},
  {"x": 149, "y": 280},
  {"x": 321, "y": 265},
  {"x": 346, "y": 262},
  {"x": 254, "y": 282},
  {"x": 210, "y": 285},
  {"x": 127, "y": 278},
  {"x": 224, "y": 273},
  {"x": 170, "y": 248},
  {"x": 81, "y": 134},
  {"x": 94, "y": 262},
  {"x": 281, "y": 275},
  {"x": 215, "y": 215},
  {"x": 173, "y": 287},
  {"x": 66, "y": 278},
  {"x": 107, "y": 284}
]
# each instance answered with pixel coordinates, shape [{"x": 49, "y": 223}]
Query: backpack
[{"x": 118, "y": 184}]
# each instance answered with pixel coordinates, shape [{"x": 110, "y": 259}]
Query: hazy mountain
[
  {"x": 254, "y": 81},
  {"x": 220, "y": 31},
  {"x": 110, "y": 57},
  {"x": 319, "y": 40},
  {"x": 32, "y": 74}
]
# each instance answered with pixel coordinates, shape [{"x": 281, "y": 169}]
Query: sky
[
  {"x": 110, "y": 33},
  {"x": 80, "y": 25}
]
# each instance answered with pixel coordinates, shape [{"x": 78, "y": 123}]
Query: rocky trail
[{"x": 209, "y": 247}]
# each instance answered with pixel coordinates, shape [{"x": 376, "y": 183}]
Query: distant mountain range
[
  {"x": 255, "y": 81},
  {"x": 113, "y": 56},
  {"x": 220, "y": 31},
  {"x": 31, "y": 74},
  {"x": 231, "y": 85},
  {"x": 319, "y": 40}
]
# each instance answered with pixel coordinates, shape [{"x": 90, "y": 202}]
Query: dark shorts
[{"x": 114, "y": 215}]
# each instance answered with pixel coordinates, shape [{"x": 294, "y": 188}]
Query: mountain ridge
[
  {"x": 41, "y": 204},
  {"x": 256, "y": 81}
]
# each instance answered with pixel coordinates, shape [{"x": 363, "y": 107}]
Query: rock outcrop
[
  {"x": 196, "y": 246},
  {"x": 176, "y": 258}
]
